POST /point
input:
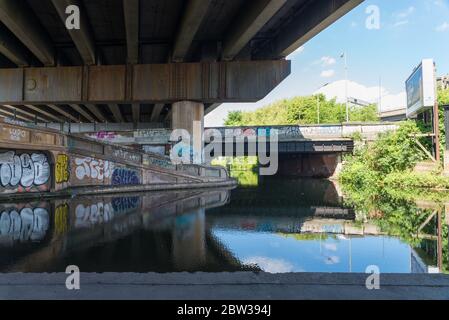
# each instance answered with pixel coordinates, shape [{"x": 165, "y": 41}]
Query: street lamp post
[{"x": 344, "y": 55}]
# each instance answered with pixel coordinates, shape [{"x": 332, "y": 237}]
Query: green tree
[
  {"x": 302, "y": 110},
  {"x": 234, "y": 118}
]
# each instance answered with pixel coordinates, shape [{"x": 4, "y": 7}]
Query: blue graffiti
[
  {"x": 125, "y": 204},
  {"x": 123, "y": 176}
]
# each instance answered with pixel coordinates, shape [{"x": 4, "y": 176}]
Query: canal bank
[{"x": 230, "y": 286}]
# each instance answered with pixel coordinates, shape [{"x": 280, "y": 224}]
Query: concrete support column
[{"x": 189, "y": 115}]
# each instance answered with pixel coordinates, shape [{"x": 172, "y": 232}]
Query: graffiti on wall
[
  {"x": 125, "y": 176},
  {"x": 17, "y": 134},
  {"x": 62, "y": 172},
  {"x": 93, "y": 168},
  {"x": 100, "y": 212},
  {"x": 30, "y": 224},
  {"x": 126, "y": 155},
  {"x": 25, "y": 170}
]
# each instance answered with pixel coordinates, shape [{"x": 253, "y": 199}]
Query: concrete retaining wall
[{"x": 42, "y": 160}]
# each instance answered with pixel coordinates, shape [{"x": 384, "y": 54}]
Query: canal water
[{"x": 269, "y": 224}]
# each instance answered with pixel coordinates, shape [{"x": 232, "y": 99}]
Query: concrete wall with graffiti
[
  {"x": 70, "y": 161},
  {"x": 24, "y": 171}
]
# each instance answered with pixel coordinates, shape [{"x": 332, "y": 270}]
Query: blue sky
[{"x": 410, "y": 30}]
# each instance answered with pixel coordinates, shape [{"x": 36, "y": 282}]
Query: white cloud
[
  {"x": 404, "y": 14},
  {"x": 327, "y": 73},
  {"x": 400, "y": 23},
  {"x": 327, "y": 61},
  {"x": 370, "y": 94},
  {"x": 270, "y": 265},
  {"x": 330, "y": 246},
  {"x": 443, "y": 27}
]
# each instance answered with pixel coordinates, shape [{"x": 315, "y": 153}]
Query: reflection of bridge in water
[{"x": 159, "y": 232}]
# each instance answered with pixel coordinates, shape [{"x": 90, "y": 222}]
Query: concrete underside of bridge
[
  {"x": 310, "y": 165},
  {"x": 135, "y": 61},
  {"x": 131, "y": 60}
]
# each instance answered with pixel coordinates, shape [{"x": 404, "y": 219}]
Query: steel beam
[
  {"x": 11, "y": 49},
  {"x": 96, "y": 111},
  {"x": 82, "y": 112},
  {"x": 82, "y": 37},
  {"x": 208, "y": 82},
  {"x": 211, "y": 108},
  {"x": 136, "y": 112},
  {"x": 252, "y": 19},
  {"x": 43, "y": 112},
  {"x": 194, "y": 14},
  {"x": 18, "y": 18},
  {"x": 25, "y": 113},
  {"x": 64, "y": 113},
  {"x": 115, "y": 109},
  {"x": 131, "y": 13},
  {"x": 157, "y": 109},
  {"x": 9, "y": 114},
  {"x": 307, "y": 23}
]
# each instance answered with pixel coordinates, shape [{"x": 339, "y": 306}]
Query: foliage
[
  {"x": 302, "y": 110},
  {"x": 234, "y": 118}
]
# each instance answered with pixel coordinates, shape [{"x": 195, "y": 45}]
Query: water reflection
[{"x": 276, "y": 226}]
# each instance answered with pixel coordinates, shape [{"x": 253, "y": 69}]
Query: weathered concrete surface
[
  {"x": 82, "y": 191},
  {"x": 209, "y": 286}
]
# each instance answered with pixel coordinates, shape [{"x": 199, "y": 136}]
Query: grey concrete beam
[
  {"x": 317, "y": 16},
  {"x": 26, "y": 113},
  {"x": 195, "y": 12},
  {"x": 41, "y": 111},
  {"x": 96, "y": 111},
  {"x": 115, "y": 109},
  {"x": 131, "y": 12},
  {"x": 12, "y": 50},
  {"x": 136, "y": 112},
  {"x": 251, "y": 21},
  {"x": 64, "y": 113},
  {"x": 18, "y": 18},
  {"x": 83, "y": 37},
  {"x": 83, "y": 112},
  {"x": 157, "y": 109}
]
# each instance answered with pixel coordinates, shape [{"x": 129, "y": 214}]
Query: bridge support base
[{"x": 189, "y": 115}]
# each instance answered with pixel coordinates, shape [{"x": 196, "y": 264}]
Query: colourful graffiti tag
[
  {"x": 62, "y": 172},
  {"x": 24, "y": 170},
  {"x": 124, "y": 176}
]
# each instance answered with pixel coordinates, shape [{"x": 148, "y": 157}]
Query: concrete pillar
[{"x": 189, "y": 115}]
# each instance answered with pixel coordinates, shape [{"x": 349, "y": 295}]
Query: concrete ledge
[
  {"x": 89, "y": 190},
  {"x": 210, "y": 286}
]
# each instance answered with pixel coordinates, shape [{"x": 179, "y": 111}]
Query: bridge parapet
[{"x": 161, "y": 136}]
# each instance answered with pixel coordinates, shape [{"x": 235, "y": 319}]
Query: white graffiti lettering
[
  {"x": 26, "y": 170},
  {"x": 93, "y": 168}
]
